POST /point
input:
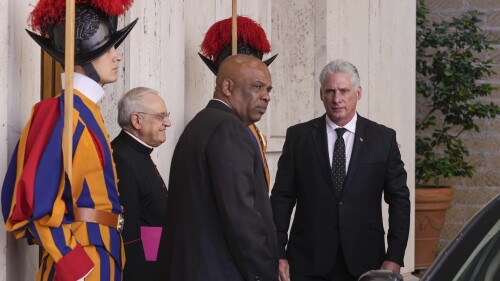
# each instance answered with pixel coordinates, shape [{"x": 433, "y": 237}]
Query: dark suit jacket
[
  {"x": 143, "y": 196},
  {"x": 354, "y": 219},
  {"x": 219, "y": 219}
]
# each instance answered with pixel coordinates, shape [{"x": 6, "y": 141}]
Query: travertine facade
[{"x": 161, "y": 52}]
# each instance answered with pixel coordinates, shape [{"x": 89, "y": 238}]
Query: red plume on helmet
[
  {"x": 95, "y": 27},
  {"x": 216, "y": 45},
  {"x": 52, "y": 12}
]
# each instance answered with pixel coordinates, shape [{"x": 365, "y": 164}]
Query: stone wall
[
  {"x": 378, "y": 36},
  {"x": 473, "y": 193}
]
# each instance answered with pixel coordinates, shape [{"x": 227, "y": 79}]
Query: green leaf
[{"x": 449, "y": 64}]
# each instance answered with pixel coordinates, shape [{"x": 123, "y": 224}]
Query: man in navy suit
[{"x": 337, "y": 189}]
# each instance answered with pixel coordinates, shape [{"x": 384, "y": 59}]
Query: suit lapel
[
  {"x": 359, "y": 139},
  {"x": 213, "y": 103},
  {"x": 321, "y": 144}
]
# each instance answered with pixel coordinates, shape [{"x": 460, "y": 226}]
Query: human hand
[
  {"x": 389, "y": 265},
  {"x": 284, "y": 270}
]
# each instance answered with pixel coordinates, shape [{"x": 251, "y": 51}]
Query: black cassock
[{"x": 143, "y": 195}]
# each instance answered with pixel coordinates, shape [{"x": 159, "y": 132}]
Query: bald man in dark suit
[{"x": 219, "y": 222}]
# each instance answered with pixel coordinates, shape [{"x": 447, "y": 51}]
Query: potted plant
[{"x": 448, "y": 65}]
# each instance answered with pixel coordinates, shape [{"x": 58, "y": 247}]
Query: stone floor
[
  {"x": 415, "y": 276},
  {"x": 411, "y": 278}
]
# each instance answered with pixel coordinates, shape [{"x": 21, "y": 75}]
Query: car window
[{"x": 484, "y": 261}]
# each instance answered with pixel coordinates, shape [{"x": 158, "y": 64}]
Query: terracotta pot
[{"x": 431, "y": 204}]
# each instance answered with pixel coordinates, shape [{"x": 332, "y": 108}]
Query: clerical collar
[
  {"x": 138, "y": 140},
  {"x": 86, "y": 86}
]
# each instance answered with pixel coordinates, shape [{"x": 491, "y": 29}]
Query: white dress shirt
[{"x": 348, "y": 138}]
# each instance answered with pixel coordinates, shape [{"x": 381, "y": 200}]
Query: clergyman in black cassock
[{"x": 143, "y": 194}]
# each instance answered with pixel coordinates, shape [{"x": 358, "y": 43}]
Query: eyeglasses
[{"x": 159, "y": 116}]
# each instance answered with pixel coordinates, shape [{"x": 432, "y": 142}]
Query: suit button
[
  {"x": 341, "y": 203},
  {"x": 257, "y": 278}
]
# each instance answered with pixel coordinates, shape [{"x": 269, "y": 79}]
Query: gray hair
[
  {"x": 341, "y": 66},
  {"x": 132, "y": 102}
]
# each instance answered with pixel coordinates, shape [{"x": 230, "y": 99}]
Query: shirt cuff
[{"x": 75, "y": 265}]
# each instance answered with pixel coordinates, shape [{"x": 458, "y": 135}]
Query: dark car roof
[{"x": 482, "y": 230}]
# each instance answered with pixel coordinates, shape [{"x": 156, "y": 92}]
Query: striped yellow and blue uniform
[
  {"x": 260, "y": 143},
  {"x": 38, "y": 202}
]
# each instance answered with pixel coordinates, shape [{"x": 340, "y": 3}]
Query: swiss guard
[
  {"x": 77, "y": 222},
  {"x": 252, "y": 41}
]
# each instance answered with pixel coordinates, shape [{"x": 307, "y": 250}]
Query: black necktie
[{"x": 338, "y": 161}]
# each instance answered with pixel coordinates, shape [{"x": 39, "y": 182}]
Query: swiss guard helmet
[
  {"x": 95, "y": 29},
  {"x": 216, "y": 45}
]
